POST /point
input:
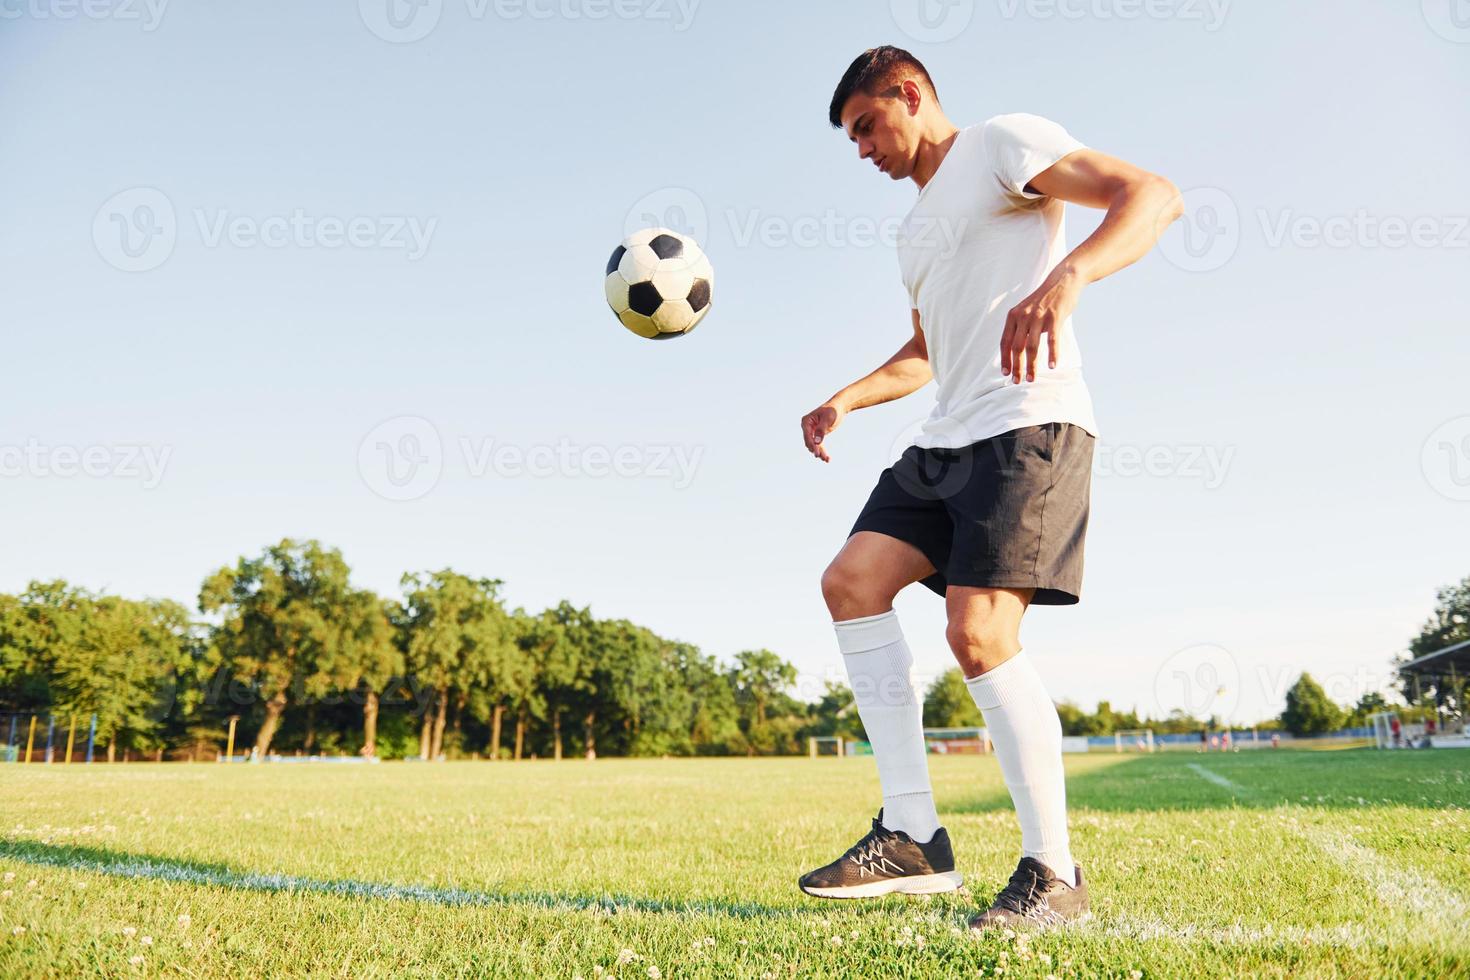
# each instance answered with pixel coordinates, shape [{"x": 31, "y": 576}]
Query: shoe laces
[
  {"x": 878, "y": 833},
  {"x": 1020, "y": 892}
]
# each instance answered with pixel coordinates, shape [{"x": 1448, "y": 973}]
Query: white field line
[
  {"x": 1219, "y": 780},
  {"x": 184, "y": 873},
  {"x": 1430, "y": 901},
  {"x": 1122, "y": 927},
  {"x": 1399, "y": 888}
]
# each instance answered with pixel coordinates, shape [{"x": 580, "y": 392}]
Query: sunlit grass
[{"x": 1274, "y": 863}]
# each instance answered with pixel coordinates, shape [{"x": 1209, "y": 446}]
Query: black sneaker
[
  {"x": 1034, "y": 898},
  {"x": 887, "y": 861}
]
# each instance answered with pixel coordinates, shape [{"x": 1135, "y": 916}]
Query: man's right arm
[{"x": 904, "y": 373}]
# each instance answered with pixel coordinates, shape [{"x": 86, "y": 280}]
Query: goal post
[
  {"x": 1134, "y": 740},
  {"x": 956, "y": 741},
  {"x": 826, "y": 745},
  {"x": 1384, "y": 735}
]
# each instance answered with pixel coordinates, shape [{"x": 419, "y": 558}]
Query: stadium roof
[{"x": 1454, "y": 659}]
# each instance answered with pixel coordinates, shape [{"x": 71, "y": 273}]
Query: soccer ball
[{"x": 659, "y": 283}]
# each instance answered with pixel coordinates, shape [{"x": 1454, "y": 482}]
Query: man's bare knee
[
  {"x": 850, "y": 593},
  {"x": 979, "y": 646}
]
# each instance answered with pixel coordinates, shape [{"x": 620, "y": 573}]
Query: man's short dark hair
[{"x": 876, "y": 70}]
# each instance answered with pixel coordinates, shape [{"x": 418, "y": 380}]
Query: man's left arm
[{"x": 1140, "y": 206}]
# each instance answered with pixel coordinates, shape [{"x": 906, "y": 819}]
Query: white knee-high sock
[
  {"x": 879, "y": 667},
  {"x": 1027, "y": 735}
]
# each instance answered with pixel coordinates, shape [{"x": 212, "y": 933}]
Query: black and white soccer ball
[{"x": 659, "y": 283}]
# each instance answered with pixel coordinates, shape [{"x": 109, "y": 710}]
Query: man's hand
[
  {"x": 1043, "y": 312},
  {"x": 1140, "y": 206},
  {"x": 817, "y": 423}
]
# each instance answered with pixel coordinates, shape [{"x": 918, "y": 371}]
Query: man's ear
[{"x": 912, "y": 94}]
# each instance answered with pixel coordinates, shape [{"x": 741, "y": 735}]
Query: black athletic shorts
[{"x": 1005, "y": 512}]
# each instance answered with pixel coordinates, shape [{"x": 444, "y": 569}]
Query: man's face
[{"x": 885, "y": 128}]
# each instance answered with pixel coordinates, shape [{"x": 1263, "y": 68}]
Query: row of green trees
[{"x": 309, "y": 662}]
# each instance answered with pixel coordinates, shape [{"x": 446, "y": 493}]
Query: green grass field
[{"x": 1348, "y": 863}]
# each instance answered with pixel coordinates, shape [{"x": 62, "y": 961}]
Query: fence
[{"x": 34, "y": 737}]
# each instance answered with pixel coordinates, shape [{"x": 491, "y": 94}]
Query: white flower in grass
[
  {"x": 184, "y": 920},
  {"x": 6, "y": 893},
  {"x": 1137, "y": 974},
  {"x": 136, "y": 960},
  {"x": 653, "y": 973},
  {"x": 130, "y": 931},
  {"x": 18, "y": 931},
  {"x": 10, "y": 876},
  {"x": 626, "y": 956},
  {"x": 146, "y": 940},
  {"x": 836, "y": 940},
  {"x": 32, "y": 883},
  {"x": 709, "y": 940}
]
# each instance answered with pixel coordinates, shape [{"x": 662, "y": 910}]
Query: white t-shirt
[{"x": 975, "y": 244}]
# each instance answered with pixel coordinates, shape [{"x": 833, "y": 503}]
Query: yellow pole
[
  {"x": 230, "y": 745},
  {"x": 71, "y": 735},
  {"x": 31, "y": 738}
]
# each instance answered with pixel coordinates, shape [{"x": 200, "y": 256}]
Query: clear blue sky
[{"x": 1323, "y": 373}]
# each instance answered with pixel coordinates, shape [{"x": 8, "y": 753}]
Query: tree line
[{"x": 307, "y": 661}]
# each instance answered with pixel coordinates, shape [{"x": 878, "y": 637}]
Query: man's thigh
[{"x": 874, "y": 568}]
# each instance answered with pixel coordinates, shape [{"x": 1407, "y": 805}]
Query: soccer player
[{"x": 989, "y": 507}]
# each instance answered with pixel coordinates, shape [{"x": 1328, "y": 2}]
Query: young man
[{"x": 989, "y": 507}]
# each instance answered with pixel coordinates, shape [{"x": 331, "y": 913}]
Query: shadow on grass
[
  {"x": 1261, "y": 779},
  {"x": 102, "y": 861}
]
